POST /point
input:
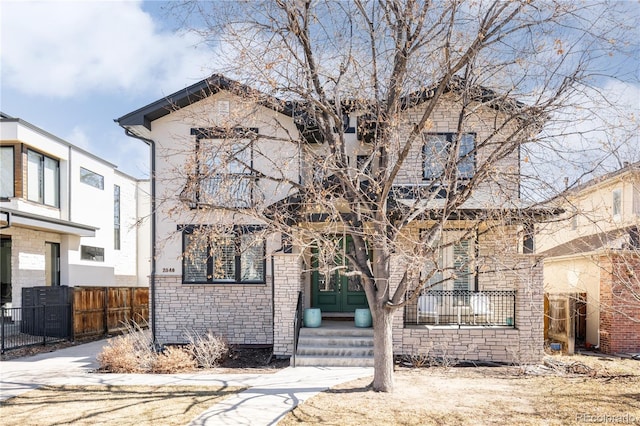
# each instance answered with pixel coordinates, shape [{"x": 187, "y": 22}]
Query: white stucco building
[{"x": 67, "y": 217}]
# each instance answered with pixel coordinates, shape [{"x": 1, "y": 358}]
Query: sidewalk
[{"x": 268, "y": 399}]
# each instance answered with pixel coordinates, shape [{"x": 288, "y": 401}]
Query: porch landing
[{"x": 335, "y": 344}]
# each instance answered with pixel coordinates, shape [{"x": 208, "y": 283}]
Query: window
[
  {"x": 95, "y": 254},
  {"x": 617, "y": 203},
  {"x": 237, "y": 256},
  {"x": 453, "y": 263},
  {"x": 91, "y": 178},
  {"x": 224, "y": 173},
  {"x": 43, "y": 179},
  {"x": 116, "y": 217},
  {"x": 436, "y": 150},
  {"x": 6, "y": 172}
]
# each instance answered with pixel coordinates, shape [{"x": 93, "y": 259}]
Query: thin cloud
[{"x": 65, "y": 49}]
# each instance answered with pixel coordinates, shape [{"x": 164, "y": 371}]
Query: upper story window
[
  {"x": 91, "y": 178},
  {"x": 224, "y": 163},
  {"x": 237, "y": 256},
  {"x": 617, "y": 203},
  {"x": 43, "y": 179},
  {"x": 7, "y": 170},
  {"x": 437, "y": 149}
]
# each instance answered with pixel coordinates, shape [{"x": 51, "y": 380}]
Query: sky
[{"x": 72, "y": 67}]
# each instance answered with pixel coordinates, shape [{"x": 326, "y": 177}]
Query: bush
[
  {"x": 135, "y": 352},
  {"x": 207, "y": 349},
  {"x": 129, "y": 353},
  {"x": 173, "y": 360}
]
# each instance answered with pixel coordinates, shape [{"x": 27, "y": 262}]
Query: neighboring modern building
[
  {"x": 595, "y": 251},
  {"x": 247, "y": 290},
  {"x": 67, "y": 217}
]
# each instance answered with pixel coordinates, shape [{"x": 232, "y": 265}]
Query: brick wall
[
  {"x": 619, "y": 304},
  {"x": 239, "y": 312}
]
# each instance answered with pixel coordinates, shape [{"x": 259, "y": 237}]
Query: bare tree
[{"x": 508, "y": 67}]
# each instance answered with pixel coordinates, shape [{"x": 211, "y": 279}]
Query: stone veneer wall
[
  {"x": 240, "y": 312},
  {"x": 504, "y": 270},
  {"x": 288, "y": 283},
  {"x": 27, "y": 259}
]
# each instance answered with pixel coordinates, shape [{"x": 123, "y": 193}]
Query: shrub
[
  {"x": 173, "y": 360},
  {"x": 207, "y": 349},
  {"x": 129, "y": 353}
]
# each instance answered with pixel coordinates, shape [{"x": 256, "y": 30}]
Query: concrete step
[
  {"x": 332, "y": 351},
  {"x": 339, "y": 341},
  {"x": 334, "y": 344},
  {"x": 347, "y": 331},
  {"x": 326, "y": 361}
]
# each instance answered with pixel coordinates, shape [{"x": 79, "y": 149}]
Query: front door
[{"x": 337, "y": 291}]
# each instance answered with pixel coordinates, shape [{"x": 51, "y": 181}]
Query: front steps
[{"x": 335, "y": 344}]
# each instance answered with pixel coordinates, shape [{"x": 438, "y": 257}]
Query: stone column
[{"x": 287, "y": 273}]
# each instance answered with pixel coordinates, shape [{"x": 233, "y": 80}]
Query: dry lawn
[
  {"x": 485, "y": 396},
  {"x": 111, "y": 405}
]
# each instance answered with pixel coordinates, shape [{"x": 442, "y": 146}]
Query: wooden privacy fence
[{"x": 105, "y": 310}]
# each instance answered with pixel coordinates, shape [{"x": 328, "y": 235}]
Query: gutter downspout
[{"x": 152, "y": 278}]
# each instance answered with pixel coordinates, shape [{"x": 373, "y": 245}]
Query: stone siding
[
  {"x": 241, "y": 313},
  {"x": 502, "y": 269},
  {"x": 27, "y": 259},
  {"x": 288, "y": 283}
]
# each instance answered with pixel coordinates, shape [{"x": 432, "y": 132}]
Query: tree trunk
[{"x": 383, "y": 350}]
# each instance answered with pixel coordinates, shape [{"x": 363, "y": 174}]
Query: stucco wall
[{"x": 577, "y": 274}]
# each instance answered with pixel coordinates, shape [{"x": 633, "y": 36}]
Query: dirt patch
[
  {"x": 484, "y": 396},
  {"x": 39, "y": 349},
  {"x": 252, "y": 360},
  {"x": 112, "y": 405}
]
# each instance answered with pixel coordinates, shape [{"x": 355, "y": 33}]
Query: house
[
  {"x": 594, "y": 251},
  {"x": 247, "y": 285},
  {"x": 67, "y": 217}
]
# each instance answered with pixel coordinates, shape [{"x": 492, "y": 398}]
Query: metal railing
[
  {"x": 297, "y": 324},
  {"x": 463, "y": 308},
  {"x": 34, "y": 325},
  {"x": 233, "y": 190}
]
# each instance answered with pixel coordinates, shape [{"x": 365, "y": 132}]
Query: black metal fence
[
  {"x": 468, "y": 308},
  {"x": 297, "y": 324},
  {"x": 34, "y": 325}
]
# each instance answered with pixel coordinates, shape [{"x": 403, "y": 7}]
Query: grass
[
  {"x": 482, "y": 396},
  {"x": 112, "y": 405}
]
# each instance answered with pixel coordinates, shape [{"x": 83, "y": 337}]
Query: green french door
[{"x": 337, "y": 291}]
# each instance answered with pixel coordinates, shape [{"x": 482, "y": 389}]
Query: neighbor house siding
[{"x": 619, "y": 305}]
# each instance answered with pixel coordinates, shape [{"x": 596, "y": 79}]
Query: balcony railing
[
  {"x": 230, "y": 190},
  {"x": 463, "y": 308}
]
